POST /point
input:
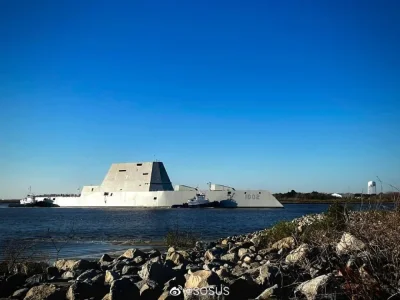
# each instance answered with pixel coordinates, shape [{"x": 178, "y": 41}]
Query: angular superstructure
[{"x": 147, "y": 184}]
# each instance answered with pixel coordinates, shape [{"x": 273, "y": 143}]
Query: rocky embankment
[{"x": 243, "y": 265}]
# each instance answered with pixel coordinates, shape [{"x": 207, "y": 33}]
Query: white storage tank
[{"x": 371, "y": 188}]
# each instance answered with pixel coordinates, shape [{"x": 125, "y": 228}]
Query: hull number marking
[{"x": 252, "y": 196}]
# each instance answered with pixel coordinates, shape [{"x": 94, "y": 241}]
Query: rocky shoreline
[{"x": 252, "y": 266}]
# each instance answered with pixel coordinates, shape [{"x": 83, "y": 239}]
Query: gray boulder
[
  {"x": 267, "y": 294},
  {"x": 132, "y": 253},
  {"x": 176, "y": 258},
  {"x": 30, "y": 268},
  {"x": 52, "y": 272},
  {"x": 201, "y": 279},
  {"x": 153, "y": 253},
  {"x": 311, "y": 288},
  {"x": 98, "y": 279},
  {"x": 105, "y": 258},
  {"x": 155, "y": 271},
  {"x": 87, "y": 275},
  {"x": 67, "y": 275},
  {"x": 298, "y": 255},
  {"x": 110, "y": 277},
  {"x": 349, "y": 243},
  {"x": 244, "y": 288},
  {"x": 45, "y": 292},
  {"x": 35, "y": 280},
  {"x": 79, "y": 290},
  {"x": 11, "y": 283},
  {"x": 20, "y": 294},
  {"x": 129, "y": 270},
  {"x": 231, "y": 257},
  {"x": 122, "y": 289},
  {"x": 65, "y": 264}
]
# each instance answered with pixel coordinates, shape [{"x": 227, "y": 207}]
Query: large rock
[
  {"x": 105, "y": 258},
  {"x": 138, "y": 260},
  {"x": 311, "y": 288},
  {"x": 36, "y": 280},
  {"x": 119, "y": 265},
  {"x": 153, "y": 253},
  {"x": 52, "y": 272},
  {"x": 105, "y": 262},
  {"x": 238, "y": 271},
  {"x": 150, "y": 290},
  {"x": 20, "y": 294},
  {"x": 129, "y": 270},
  {"x": 87, "y": 275},
  {"x": 348, "y": 243},
  {"x": 132, "y": 253},
  {"x": 264, "y": 274},
  {"x": 209, "y": 255},
  {"x": 285, "y": 243},
  {"x": 231, "y": 257},
  {"x": 122, "y": 289},
  {"x": 297, "y": 255},
  {"x": 201, "y": 279},
  {"x": 167, "y": 296},
  {"x": 30, "y": 268},
  {"x": 84, "y": 265},
  {"x": 243, "y": 251},
  {"x": 73, "y": 265},
  {"x": 67, "y": 275},
  {"x": 185, "y": 254},
  {"x": 11, "y": 283},
  {"x": 175, "y": 257},
  {"x": 267, "y": 294},
  {"x": 155, "y": 271},
  {"x": 45, "y": 292},
  {"x": 244, "y": 288},
  {"x": 65, "y": 264},
  {"x": 99, "y": 279},
  {"x": 80, "y": 290},
  {"x": 110, "y": 277}
]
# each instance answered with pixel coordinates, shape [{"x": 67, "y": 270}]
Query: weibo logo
[{"x": 176, "y": 291}]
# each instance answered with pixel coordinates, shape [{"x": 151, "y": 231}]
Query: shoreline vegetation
[{"x": 338, "y": 254}]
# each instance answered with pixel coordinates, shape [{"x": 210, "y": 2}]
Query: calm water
[{"x": 98, "y": 230}]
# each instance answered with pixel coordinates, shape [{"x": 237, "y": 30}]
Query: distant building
[
  {"x": 337, "y": 195},
  {"x": 371, "y": 188}
]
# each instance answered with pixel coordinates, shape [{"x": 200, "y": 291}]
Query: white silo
[{"x": 371, "y": 188}]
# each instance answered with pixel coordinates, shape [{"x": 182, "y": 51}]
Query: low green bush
[
  {"x": 179, "y": 238},
  {"x": 279, "y": 231}
]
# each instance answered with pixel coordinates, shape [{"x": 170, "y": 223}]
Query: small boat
[
  {"x": 31, "y": 201},
  {"x": 200, "y": 200}
]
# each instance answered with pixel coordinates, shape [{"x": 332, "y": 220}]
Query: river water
[{"x": 82, "y": 232}]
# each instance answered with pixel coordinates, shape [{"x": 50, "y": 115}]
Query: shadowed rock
[
  {"x": 45, "y": 292},
  {"x": 122, "y": 289}
]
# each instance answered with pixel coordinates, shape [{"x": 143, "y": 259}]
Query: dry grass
[{"x": 373, "y": 273}]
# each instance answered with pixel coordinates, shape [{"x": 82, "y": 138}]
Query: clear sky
[{"x": 279, "y": 95}]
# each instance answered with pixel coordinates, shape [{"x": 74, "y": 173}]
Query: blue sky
[{"x": 279, "y": 95}]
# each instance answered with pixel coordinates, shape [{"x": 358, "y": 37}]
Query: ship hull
[{"x": 243, "y": 199}]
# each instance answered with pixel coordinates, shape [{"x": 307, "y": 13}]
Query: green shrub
[
  {"x": 329, "y": 228},
  {"x": 336, "y": 216},
  {"x": 279, "y": 231},
  {"x": 178, "y": 238}
]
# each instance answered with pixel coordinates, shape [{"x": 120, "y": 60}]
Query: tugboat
[
  {"x": 31, "y": 201},
  {"x": 198, "y": 201}
]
